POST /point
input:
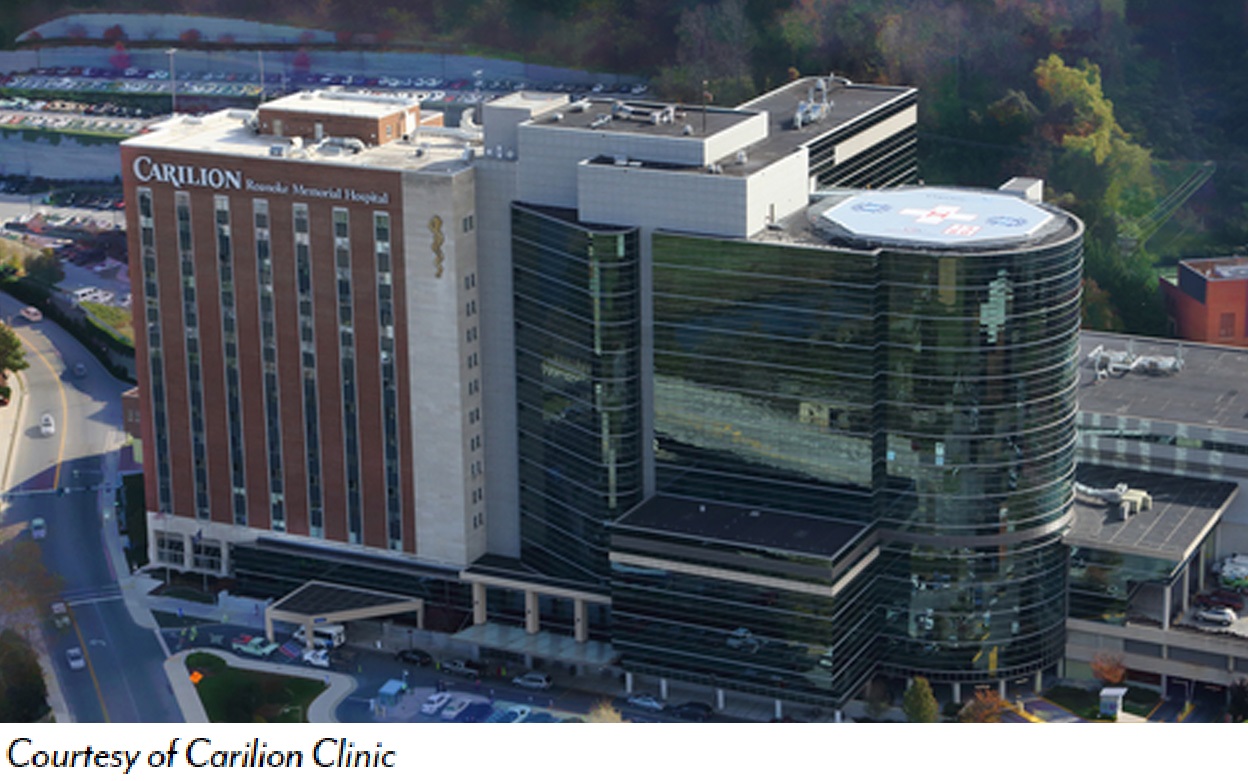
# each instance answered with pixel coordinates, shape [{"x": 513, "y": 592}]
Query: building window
[
  {"x": 195, "y": 386},
  {"x": 307, "y": 337},
  {"x": 268, "y": 353},
  {"x": 225, "y": 265}
]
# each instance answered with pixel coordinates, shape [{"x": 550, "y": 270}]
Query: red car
[{"x": 1220, "y": 598}]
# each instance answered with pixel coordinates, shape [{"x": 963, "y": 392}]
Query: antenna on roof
[{"x": 706, "y": 98}]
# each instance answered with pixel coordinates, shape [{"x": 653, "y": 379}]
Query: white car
[
  {"x": 47, "y": 424},
  {"x": 1217, "y": 615},
  {"x": 533, "y": 681},
  {"x": 645, "y": 702},
  {"x": 435, "y": 703},
  {"x": 317, "y": 657},
  {"x": 75, "y": 659},
  {"x": 38, "y": 528},
  {"x": 454, "y": 708}
]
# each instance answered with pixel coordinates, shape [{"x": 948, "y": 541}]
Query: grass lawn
[
  {"x": 116, "y": 318},
  {"x": 237, "y": 696}
]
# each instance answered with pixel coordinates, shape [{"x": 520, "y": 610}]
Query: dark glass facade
[
  {"x": 929, "y": 393},
  {"x": 578, "y": 333}
]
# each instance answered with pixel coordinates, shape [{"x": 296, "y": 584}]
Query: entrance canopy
[{"x": 316, "y": 602}]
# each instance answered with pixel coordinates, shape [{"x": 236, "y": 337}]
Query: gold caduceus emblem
[{"x": 435, "y": 227}]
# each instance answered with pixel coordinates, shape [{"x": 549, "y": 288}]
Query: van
[{"x": 324, "y": 635}]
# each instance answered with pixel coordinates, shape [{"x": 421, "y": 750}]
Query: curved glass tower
[
  {"x": 897, "y": 365},
  {"x": 976, "y": 330}
]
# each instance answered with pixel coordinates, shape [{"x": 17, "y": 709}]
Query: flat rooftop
[
  {"x": 741, "y": 526},
  {"x": 226, "y": 133},
  {"x": 337, "y": 103},
  {"x": 1219, "y": 268},
  {"x": 1184, "y": 511},
  {"x": 924, "y": 219},
  {"x": 1210, "y": 389},
  {"x": 847, "y": 104}
]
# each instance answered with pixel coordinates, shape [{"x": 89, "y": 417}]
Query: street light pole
[{"x": 173, "y": 82}]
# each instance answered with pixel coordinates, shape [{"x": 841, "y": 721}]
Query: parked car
[
  {"x": 435, "y": 703},
  {"x": 454, "y": 708},
  {"x": 533, "y": 681},
  {"x": 461, "y": 667},
  {"x": 475, "y": 713},
  {"x": 38, "y": 528},
  {"x": 253, "y": 646},
  {"x": 75, "y": 659},
  {"x": 690, "y": 711},
  {"x": 645, "y": 702},
  {"x": 414, "y": 656},
  {"x": 516, "y": 714},
  {"x": 1217, "y": 615},
  {"x": 317, "y": 657},
  {"x": 1220, "y": 598}
]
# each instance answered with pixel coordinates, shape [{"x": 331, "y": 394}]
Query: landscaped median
[{"x": 222, "y": 688}]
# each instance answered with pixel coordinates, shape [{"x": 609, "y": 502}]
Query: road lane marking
[
  {"x": 60, "y": 386},
  {"x": 90, "y": 667}
]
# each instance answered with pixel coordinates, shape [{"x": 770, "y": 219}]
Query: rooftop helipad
[{"x": 933, "y": 216}]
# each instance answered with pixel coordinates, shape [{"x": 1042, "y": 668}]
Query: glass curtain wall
[{"x": 578, "y": 335}]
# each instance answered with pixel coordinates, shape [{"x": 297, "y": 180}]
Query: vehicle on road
[
  {"x": 317, "y": 657},
  {"x": 461, "y": 667},
  {"x": 253, "y": 646},
  {"x": 645, "y": 702},
  {"x": 38, "y": 528},
  {"x": 1223, "y": 616},
  {"x": 32, "y": 314},
  {"x": 454, "y": 708},
  {"x": 690, "y": 711},
  {"x": 435, "y": 703},
  {"x": 47, "y": 424},
  {"x": 533, "y": 680},
  {"x": 414, "y": 656},
  {"x": 80, "y": 370},
  {"x": 60, "y": 616},
  {"x": 75, "y": 659}
]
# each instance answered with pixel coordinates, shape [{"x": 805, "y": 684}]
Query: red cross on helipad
[{"x": 938, "y": 214}]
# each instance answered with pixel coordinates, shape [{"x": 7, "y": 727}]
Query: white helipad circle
[{"x": 935, "y": 215}]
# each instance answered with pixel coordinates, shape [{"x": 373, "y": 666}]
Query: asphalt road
[{"x": 69, "y": 478}]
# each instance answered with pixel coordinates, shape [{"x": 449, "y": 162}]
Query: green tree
[
  {"x": 919, "y": 704},
  {"x": 12, "y": 353},
  {"x": 45, "y": 268},
  {"x": 23, "y": 692}
]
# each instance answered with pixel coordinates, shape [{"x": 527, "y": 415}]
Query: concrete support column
[
  {"x": 478, "y": 604},
  {"x": 662, "y": 688},
  {"x": 580, "y": 623},
  {"x": 957, "y": 692},
  {"x": 1001, "y": 688},
  {"x": 628, "y": 683},
  {"x": 268, "y": 626},
  {"x": 1186, "y": 593},
  {"x": 1039, "y": 681},
  {"x": 719, "y": 699},
  {"x": 420, "y": 616},
  {"x": 532, "y": 618},
  {"x": 779, "y": 709},
  {"x": 838, "y": 716},
  {"x": 1165, "y": 606}
]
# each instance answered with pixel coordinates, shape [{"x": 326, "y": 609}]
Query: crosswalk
[{"x": 90, "y": 595}]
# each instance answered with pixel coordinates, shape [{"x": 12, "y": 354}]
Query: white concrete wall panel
[{"x": 667, "y": 200}]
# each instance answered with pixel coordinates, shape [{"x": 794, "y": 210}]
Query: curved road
[{"x": 69, "y": 478}]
